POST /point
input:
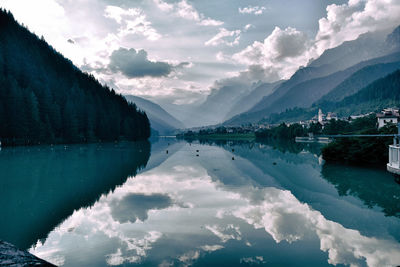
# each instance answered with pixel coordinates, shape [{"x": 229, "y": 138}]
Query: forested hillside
[
  {"x": 382, "y": 93},
  {"x": 320, "y": 78},
  {"x": 44, "y": 98},
  {"x": 359, "y": 80}
]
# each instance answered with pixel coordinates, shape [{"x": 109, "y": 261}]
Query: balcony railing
[{"x": 394, "y": 156}]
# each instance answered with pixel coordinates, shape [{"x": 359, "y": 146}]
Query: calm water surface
[{"x": 225, "y": 204}]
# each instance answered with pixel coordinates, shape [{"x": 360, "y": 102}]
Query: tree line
[{"x": 44, "y": 98}]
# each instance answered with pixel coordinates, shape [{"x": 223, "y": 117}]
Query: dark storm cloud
[
  {"x": 135, "y": 207},
  {"x": 134, "y": 64}
]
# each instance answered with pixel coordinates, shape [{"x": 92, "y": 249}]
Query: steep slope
[
  {"x": 345, "y": 55},
  {"x": 365, "y": 47},
  {"x": 44, "y": 98},
  {"x": 333, "y": 101},
  {"x": 248, "y": 101},
  {"x": 308, "y": 92},
  {"x": 219, "y": 103},
  {"x": 382, "y": 93},
  {"x": 160, "y": 120},
  {"x": 359, "y": 80}
]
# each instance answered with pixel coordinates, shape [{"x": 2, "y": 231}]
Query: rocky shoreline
[{"x": 13, "y": 256}]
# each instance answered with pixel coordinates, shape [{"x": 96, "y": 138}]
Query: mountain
[
  {"x": 160, "y": 120},
  {"x": 252, "y": 98},
  {"x": 340, "y": 84},
  {"x": 234, "y": 96},
  {"x": 301, "y": 90},
  {"x": 44, "y": 98},
  {"x": 359, "y": 80},
  {"x": 365, "y": 47},
  {"x": 349, "y": 87},
  {"x": 382, "y": 93},
  {"x": 220, "y": 102}
]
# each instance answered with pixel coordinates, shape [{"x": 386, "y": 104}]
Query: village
[{"x": 384, "y": 117}]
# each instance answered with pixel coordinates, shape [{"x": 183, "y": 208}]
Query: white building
[
  {"x": 388, "y": 115},
  {"x": 321, "y": 116}
]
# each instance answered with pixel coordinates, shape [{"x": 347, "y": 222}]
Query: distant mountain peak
[{"x": 393, "y": 39}]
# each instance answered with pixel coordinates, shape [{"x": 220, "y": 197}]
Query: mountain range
[
  {"x": 370, "y": 57},
  {"x": 160, "y": 120}
]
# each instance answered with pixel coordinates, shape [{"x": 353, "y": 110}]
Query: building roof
[{"x": 387, "y": 115}]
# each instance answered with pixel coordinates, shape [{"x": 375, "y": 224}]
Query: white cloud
[
  {"x": 133, "y": 21},
  {"x": 247, "y": 27},
  {"x": 225, "y": 233},
  {"x": 282, "y": 52},
  {"x": 276, "y": 211},
  {"x": 222, "y": 36},
  {"x": 185, "y": 10},
  {"x": 287, "y": 219},
  {"x": 256, "y": 10},
  {"x": 105, "y": 26},
  {"x": 211, "y": 248},
  {"x": 347, "y": 21}
]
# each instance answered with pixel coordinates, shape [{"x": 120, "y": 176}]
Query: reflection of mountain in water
[
  {"x": 373, "y": 186},
  {"x": 61, "y": 180},
  {"x": 268, "y": 166}
]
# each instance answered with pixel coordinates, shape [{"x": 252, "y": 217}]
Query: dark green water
[{"x": 235, "y": 204}]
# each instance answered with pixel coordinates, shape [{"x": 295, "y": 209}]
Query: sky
[{"x": 178, "y": 51}]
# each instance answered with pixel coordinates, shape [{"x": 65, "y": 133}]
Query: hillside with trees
[
  {"x": 338, "y": 73},
  {"x": 379, "y": 94},
  {"x": 44, "y": 98}
]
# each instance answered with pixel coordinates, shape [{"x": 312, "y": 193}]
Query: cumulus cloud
[
  {"x": 279, "y": 55},
  {"x": 225, "y": 37},
  {"x": 132, "y": 21},
  {"x": 347, "y": 21},
  {"x": 256, "y": 10},
  {"x": 287, "y": 219},
  {"x": 134, "y": 64},
  {"x": 285, "y": 50},
  {"x": 185, "y": 10}
]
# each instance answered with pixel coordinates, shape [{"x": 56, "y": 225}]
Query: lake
[{"x": 174, "y": 203}]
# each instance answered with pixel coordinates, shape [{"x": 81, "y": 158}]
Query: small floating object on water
[
  {"x": 167, "y": 151},
  {"x": 274, "y": 163},
  {"x": 233, "y": 158},
  {"x": 233, "y": 150},
  {"x": 197, "y": 155},
  {"x": 197, "y": 150}
]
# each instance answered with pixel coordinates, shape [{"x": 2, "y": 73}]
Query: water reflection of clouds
[
  {"x": 179, "y": 198},
  {"x": 285, "y": 218},
  {"x": 135, "y": 206}
]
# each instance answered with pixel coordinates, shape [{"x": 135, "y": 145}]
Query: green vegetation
[
  {"x": 283, "y": 132},
  {"x": 361, "y": 150},
  {"x": 220, "y": 133},
  {"x": 382, "y": 93},
  {"x": 44, "y": 98}
]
